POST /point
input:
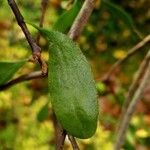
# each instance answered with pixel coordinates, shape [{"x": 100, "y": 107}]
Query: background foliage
[{"x": 113, "y": 29}]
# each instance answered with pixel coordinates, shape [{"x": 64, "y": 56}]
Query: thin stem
[
  {"x": 43, "y": 12},
  {"x": 138, "y": 94},
  {"x": 36, "y": 50},
  {"x": 60, "y": 134},
  {"x": 81, "y": 19},
  {"x": 26, "y": 77},
  {"x": 73, "y": 142},
  {"x": 134, "y": 86},
  {"x": 130, "y": 53}
]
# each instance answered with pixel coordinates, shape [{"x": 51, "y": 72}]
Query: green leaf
[
  {"x": 101, "y": 87},
  {"x": 72, "y": 90},
  {"x": 122, "y": 14},
  {"x": 67, "y": 18},
  {"x": 8, "y": 69},
  {"x": 43, "y": 113}
]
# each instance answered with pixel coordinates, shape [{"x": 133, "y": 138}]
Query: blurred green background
[{"x": 112, "y": 30}]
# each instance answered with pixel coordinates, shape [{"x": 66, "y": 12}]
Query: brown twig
[
  {"x": 138, "y": 94},
  {"x": 36, "y": 50},
  {"x": 60, "y": 134},
  {"x": 81, "y": 19},
  {"x": 134, "y": 86},
  {"x": 26, "y": 77},
  {"x": 73, "y": 142},
  {"x": 130, "y": 53},
  {"x": 43, "y": 11}
]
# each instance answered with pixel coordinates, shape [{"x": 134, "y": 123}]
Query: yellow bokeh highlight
[
  {"x": 119, "y": 54},
  {"x": 142, "y": 133}
]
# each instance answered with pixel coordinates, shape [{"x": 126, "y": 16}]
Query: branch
[
  {"x": 60, "y": 134},
  {"x": 36, "y": 50},
  {"x": 82, "y": 19},
  {"x": 73, "y": 142},
  {"x": 138, "y": 94},
  {"x": 134, "y": 86},
  {"x": 26, "y": 77},
  {"x": 130, "y": 53},
  {"x": 43, "y": 11}
]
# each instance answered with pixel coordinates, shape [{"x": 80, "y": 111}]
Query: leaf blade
[
  {"x": 43, "y": 113},
  {"x": 8, "y": 69},
  {"x": 67, "y": 18},
  {"x": 72, "y": 89}
]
